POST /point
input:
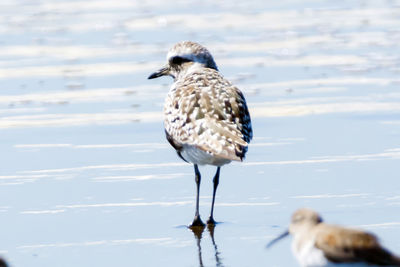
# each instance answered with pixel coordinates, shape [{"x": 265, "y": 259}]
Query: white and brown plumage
[
  {"x": 318, "y": 244},
  {"x": 205, "y": 117}
]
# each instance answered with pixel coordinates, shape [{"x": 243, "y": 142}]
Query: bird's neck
[
  {"x": 302, "y": 236},
  {"x": 190, "y": 70}
]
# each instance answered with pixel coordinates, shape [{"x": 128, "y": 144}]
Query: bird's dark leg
[
  {"x": 216, "y": 182},
  {"x": 197, "y": 220}
]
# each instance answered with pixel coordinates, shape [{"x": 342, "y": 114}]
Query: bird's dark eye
[{"x": 177, "y": 60}]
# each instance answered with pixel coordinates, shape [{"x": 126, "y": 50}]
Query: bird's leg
[
  {"x": 197, "y": 220},
  {"x": 216, "y": 182}
]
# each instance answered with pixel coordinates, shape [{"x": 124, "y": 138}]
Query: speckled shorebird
[
  {"x": 205, "y": 117},
  {"x": 317, "y": 244}
]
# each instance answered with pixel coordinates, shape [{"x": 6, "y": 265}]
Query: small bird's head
[
  {"x": 184, "y": 56},
  {"x": 303, "y": 219}
]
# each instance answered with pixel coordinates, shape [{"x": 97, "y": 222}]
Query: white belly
[
  {"x": 196, "y": 156},
  {"x": 309, "y": 256}
]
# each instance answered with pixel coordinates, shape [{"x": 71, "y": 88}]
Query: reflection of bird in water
[
  {"x": 317, "y": 244},
  {"x": 205, "y": 117},
  {"x": 217, "y": 254},
  {"x": 198, "y": 233}
]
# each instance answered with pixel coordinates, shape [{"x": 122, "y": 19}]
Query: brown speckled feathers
[
  {"x": 205, "y": 110},
  {"x": 341, "y": 244}
]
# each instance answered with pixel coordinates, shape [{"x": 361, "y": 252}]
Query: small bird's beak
[
  {"x": 273, "y": 241},
  {"x": 161, "y": 72}
]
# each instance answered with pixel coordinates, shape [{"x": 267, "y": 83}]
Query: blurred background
[{"x": 88, "y": 179}]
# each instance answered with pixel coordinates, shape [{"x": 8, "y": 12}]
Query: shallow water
[{"x": 88, "y": 179}]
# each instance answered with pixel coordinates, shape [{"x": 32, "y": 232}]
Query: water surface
[{"x": 88, "y": 179}]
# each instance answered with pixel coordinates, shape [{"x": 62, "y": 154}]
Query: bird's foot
[
  {"x": 197, "y": 222},
  {"x": 211, "y": 221}
]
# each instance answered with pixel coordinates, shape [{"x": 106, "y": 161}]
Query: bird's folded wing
[
  {"x": 349, "y": 245},
  {"x": 212, "y": 118},
  {"x": 221, "y": 141}
]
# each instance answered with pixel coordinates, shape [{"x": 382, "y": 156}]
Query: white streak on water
[
  {"x": 127, "y": 178},
  {"x": 243, "y": 204},
  {"x": 344, "y": 80},
  {"x": 112, "y": 167},
  {"x": 394, "y": 204},
  {"x": 141, "y": 145},
  {"x": 393, "y": 198},
  {"x": 63, "y": 245},
  {"x": 20, "y": 110},
  {"x": 63, "y": 120},
  {"x": 4, "y": 209},
  {"x": 331, "y": 196},
  {"x": 393, "y": 122},
  {"x": 126, "y": 204},
  {"x": 327, "y": 108},
  {"x": 89, "y": 95},
  {"x": 98, "y": 69},
  {"x": 43, "y": 211},
  {"x": 269, "y": 144},
  {"x": 149, "y": 241},
  {"x": 94, "y": 146},
  {"x": 262, "y": 238},
  {"x": 29, "y": 177},
  {"x": 329, "y": 159},
  {"x": 42, "y": 145}
]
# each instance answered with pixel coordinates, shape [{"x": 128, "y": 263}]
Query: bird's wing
[
  {"x": 207, "y": 111},
  {"x": 349, "y": 245}
]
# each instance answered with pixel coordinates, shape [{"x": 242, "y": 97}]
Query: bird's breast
[{"x": 307, "y": 254}]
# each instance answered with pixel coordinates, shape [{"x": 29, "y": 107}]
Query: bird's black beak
[
  {"x": 161, "y": 72},
  {"x": 273, "y": 241}
]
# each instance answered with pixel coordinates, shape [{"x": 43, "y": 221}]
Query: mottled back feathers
[
  {"x": 341, "y": 245},
  {"x": 205, "y": 110}
]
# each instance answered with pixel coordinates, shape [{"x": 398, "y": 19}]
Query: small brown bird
[
  {"x": 206, "y": 118},
  {"x": 317, "y": 244}
]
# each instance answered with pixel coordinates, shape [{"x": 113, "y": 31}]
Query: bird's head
[
  {"x": 183, "y": 57},
  {"x": 302, "y": 221}
]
